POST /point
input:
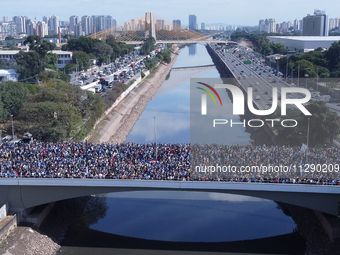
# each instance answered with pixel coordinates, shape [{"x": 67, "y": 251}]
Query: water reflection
[
  {"x": 192, "y": 49},
  {"x": 185, "y": 216},
  {"x": 171, "y": 105}
]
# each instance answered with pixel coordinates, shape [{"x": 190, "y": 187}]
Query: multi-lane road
[{"x": 257, "y": 75}]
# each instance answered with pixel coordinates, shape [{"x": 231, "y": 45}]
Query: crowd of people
[{"x": 184, "y": 162}]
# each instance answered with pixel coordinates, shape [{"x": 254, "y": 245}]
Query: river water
[{"x": 131, "y": 220}]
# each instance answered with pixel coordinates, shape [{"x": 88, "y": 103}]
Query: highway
[{"x": 257, "y": 75}]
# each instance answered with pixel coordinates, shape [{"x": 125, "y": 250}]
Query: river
[{"x": 147, "y": 220}]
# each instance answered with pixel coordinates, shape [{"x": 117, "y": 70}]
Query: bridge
[
  {"x": 138, "y": 29},
  {"x": 22, "y": 194},
  {"x": 193, "y": 67}
]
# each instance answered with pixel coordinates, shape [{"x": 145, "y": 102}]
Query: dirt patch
[{"x": 25, "y": 240}]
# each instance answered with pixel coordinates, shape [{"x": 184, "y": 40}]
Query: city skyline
[{"x": 242, "y": 13}]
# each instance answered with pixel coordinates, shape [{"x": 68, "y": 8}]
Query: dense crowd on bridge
[{"x": 174, "y": 162}]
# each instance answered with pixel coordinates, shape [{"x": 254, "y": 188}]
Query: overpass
[
  {"x": 22, "y": 194},
  {"x": 193, "y": 67}
]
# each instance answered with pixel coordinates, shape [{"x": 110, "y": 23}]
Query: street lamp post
[
  {"x": 154, "y": 127},
  {"x": 12, "y": 127},
  {"x": 306, "y": 75},
  {"x": 286, "y": 69},
  {"x": 307, "y": 139},
  {"x": 292, "y": 76},
  {"x": 317, "y": 79},
  {"x": 298, "y": 74}
]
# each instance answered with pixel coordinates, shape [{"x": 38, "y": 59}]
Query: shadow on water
[{"x": 81, "y": 236}]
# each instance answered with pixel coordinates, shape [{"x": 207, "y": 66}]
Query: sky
[{"x": 233, "y": 12}]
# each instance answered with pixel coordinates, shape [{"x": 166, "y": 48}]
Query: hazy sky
[{"x": 237, "y": 12}]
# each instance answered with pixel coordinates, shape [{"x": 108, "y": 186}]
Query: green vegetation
[
  {"x": 323, "y": 127},
  {"x": 53, "y": 111},
  {"x": 148, "y": 45},
  {"x": 164, "y": 56},
  {"x": 324, "y": 63},
  {"x": 260, "y": 43},
  {"x": 86, "y": 48}
]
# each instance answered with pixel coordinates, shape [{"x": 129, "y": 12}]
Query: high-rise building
[
  {"x": 110, "y": 22},
  {"x": 5, "y": 19},
  {"x": 176, "y": 24},
  {"x": 192, "y": 22},
  {"x": 78, "y": 30},
  {"x": 267, "y": 25},
  {"x": 73, "y": 22},
  {"x": 159, "y": 24},
  {"x": 30, "y": 27},
  {"x": 203, "y": 26},
  {"x": 86, "y": 23},
  {"x": 133, "y": 25},
  {"x": 20, "y": 22},
  {"x": 54, "y": 24},
  {"x": 315, "y": 25},
  {"x": 297, "y": 25},
  {"x": 333, "y": 23},
  {"x": 41, "y": 28}
]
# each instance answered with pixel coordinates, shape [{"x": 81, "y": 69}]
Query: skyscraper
[
  {"x": 192, "y": 22},
  {"x": 315, "y": 25},
  {"x": 54, "y": 24},
  {"x": 73, "y": 22},
  {"x": 176, "y": 24}
]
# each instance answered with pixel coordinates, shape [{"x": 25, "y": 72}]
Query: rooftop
[{"x": 308, "y": 38}]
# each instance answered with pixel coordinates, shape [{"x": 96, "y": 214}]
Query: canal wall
[
  {"x": 222, "y": 66},
  {"x": 117, "y": 101},
  {"x": 7, "y": 222}
]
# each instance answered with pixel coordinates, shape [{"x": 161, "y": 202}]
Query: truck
[{"x": 102, "y": 80}]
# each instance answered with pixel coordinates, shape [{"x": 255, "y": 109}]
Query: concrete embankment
[{"x": 117, "y": 123}]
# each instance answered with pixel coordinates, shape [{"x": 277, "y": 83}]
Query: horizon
[{"x": 226, "y": 12}]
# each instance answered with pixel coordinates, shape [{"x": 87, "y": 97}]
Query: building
[
  {"x": 202, "y": 26},
  {"x": 159, "y": 24},
  {"x": 192, "y": 22},
  {"x": 304, "y": 43},
  {"x": 8, "y": 75},
  {"x": 73, "y": 22},
  {"x": 176, "y": 24},
  {"x": 333, "y": 23},
  {"x": 315, "y": 25},
  {"x": 267, "y": 25},
  {"x": 64, "y": 57},
  {"x": 86, "y": 23}
]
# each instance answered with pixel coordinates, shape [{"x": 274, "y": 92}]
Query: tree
[
  {"x": 85, "y": 44},
  {"x": 29, "y": 64},
  {"x": 148, "y": 45},
  {"x": 82, "y": 59},
  {"x": 323, "y": 126},
  {"x": 306, "y": 67},
  {"x": 69, "y": 68},
  {"x": 333, "y": 55},
  {"x": 6, "y": 64},
  {"x": 13, "y": 95},
  {"x": 110, "y": 39},
  {"x": 51, "y": 61}
]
